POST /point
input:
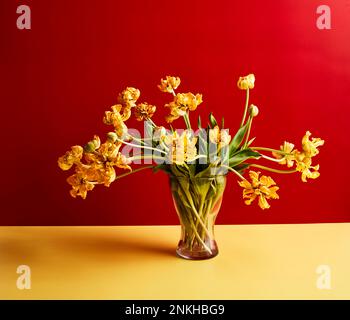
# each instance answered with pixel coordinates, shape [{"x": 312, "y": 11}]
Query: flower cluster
[
  {"x": 302, "y": 159},
  {"x": 189, "y": 153},
  {"x": 94, "y": 164},
  {"x": 182, "y": 102},
  {"x": 265, "y": 188},
  {"x": 182, "y": 148}
]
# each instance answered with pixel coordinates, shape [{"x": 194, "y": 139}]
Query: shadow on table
[
  {"x": 49, "y": 245},
  {"x": 123, "y": 246}
]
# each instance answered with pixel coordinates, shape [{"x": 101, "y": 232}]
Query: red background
[{"x": 58, "y": 79}]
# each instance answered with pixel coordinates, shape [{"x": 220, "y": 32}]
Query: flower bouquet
[{"x": 197, "y": 161}]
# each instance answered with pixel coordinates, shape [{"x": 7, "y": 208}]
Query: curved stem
[
  {"x": 199, "y": 237},
  {"x": 248, "y": 132},
  {"x": 271, "y": 150},
  {"x": 151, "y": 121},
  {"x": 187, "y": 121},
  {"x": 141, "y": 147},
  {"x": 272, "y": 170},
  {"x": 140, "y": 157},
  {"x": 272, "y": 159},
  {"x": 139, "y": 139},
  {"x": 198, "y": 157},
  {"x": 246, "y": 107},
  {"x": 134, "y": 171},
  {"x": 190, "y": 201},
  {"x": 235, "y": 172}
]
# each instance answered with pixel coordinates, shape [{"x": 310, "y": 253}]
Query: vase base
[{"x": 186, "y": 253}]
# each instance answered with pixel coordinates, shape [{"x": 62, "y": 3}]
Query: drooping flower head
[
  {"x": 288, "y": 157},
  {"x": 302, "y": 159},
  {"x": 80, "y": 185},
  {"x": 262, "y": 187},
  {"x": 310, "y": 147},
  {"x": 115, "y": 119},
  {"x": 71, "y": 157},
  {"x": 304, "y": 166}
]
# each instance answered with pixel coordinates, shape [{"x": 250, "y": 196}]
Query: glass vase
[{"x": 197, "y": 202}]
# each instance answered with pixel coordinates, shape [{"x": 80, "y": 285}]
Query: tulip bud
[
  {"x": 112, "y": 137},
  {"x": 92, "y": 145},
  {"x": 253, "y": 110},
  {"x": 247, "y": 82}
]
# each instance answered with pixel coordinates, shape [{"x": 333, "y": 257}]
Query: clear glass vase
[{"x": 197, "y": 202}]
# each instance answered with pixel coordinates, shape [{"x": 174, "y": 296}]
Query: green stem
[
  {"x": 190, "y": 220},
  {"x": 199, "y": 238},
  {"x": 246, "y": 107},
  {"x": 272, "y": 159},
  {"x": 141, "y": 157},
  {"x": 141, "y": 147},
  {"x": 190, "y": 201},
  {"x": 134, "y": 171},
  {"x": 248, "y": 132},
  {"x": 234, "y": 171},
  {"x": 271, "y": 150},
  {"x": 151, "y": 121},
  {"x": 187, "y": 121},
  {"x": 272, "y": 170},
  {"x": 202, "y": 198}
]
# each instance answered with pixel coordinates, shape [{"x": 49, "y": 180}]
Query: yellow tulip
[
  {"x": 144, "y": 111},
  {"x": 70, "y": 157},
  {"x": 169, "y": 84},
  {"x": 182, "y": 147},
  {"x": 264, "y": 188},
  {"x": 182, "y": 103},
  {"x": 115, "y": 119},
  {"x": 220, "y": 137},
  {"x": 247, "y": 82},
  {"x": 304, "y": 166},
  {"x": 80, "y": 186},
  {"x": 310, "y": 146},
  {"x": 289, "y": 159},
  {"x": 129, "y": 96}
]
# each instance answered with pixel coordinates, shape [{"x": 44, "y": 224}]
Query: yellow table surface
[{"x": 255, "y": 262}]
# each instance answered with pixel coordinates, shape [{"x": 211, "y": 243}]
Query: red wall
[{"x": 58, "y": 79}]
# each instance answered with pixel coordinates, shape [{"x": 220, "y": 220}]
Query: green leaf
[
  {"x": 149, "y": 134},
  {"x": 250, "y": 141},
  {"x": 243, "y": 155},
  {"x": 212, "y": 120},
  {"x": 206, "y": 172},
  {"x": 163, "y": 167},
  {"x": 241, "y": 167},
  {"x": 192, "y": 169},
  {"x": 179, "y": 171},
  {"x": 238, "y": 138},
  {"x": 199, "y": 122}
]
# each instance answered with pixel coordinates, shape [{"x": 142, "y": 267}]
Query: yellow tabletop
[{"x": 255, "y": 262}]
